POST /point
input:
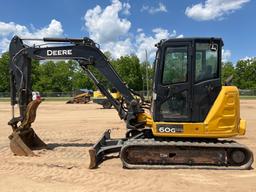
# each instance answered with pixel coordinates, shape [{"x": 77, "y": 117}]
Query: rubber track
[{"x": 227, "y": 144}]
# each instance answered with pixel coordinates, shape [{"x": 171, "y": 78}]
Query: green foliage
[
  {"x": 227, "y": 70},
  {"x": 245, "y": 74},
  {"x": 4, "y": 73},
  {"x": 68, "y": 76},
  {"x": 128, "y": 67},
  {"x": 145, "y": 68},
  {"x": 54, "y": 76}
]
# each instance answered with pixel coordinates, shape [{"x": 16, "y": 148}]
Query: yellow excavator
[
  {"x": 183, "y": 126},
  {"x": 100, "y": 99}
]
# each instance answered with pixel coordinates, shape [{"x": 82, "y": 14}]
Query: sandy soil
[{"x": 72, "y": 129}]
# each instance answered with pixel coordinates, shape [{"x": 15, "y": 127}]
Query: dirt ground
[{"x": 70, "y": 130}]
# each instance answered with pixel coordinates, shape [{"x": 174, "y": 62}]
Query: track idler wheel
[
  {"x": 238, "y": 157},
  {"x": 22, "y": 143}
]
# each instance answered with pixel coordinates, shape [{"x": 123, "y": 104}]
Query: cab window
[
  {"x": 206, "y": 62},
  {"x": 175, "y": 65}
]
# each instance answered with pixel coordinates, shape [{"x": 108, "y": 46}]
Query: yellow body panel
[
  {"x": 223, "y": 119},
  {"x": 98, "y": 94}
]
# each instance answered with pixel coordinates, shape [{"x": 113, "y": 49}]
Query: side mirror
[
  {"x": 214, "y": 47},
  {"x": 228, "y": 81}
]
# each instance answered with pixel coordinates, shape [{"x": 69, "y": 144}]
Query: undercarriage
[{"x": 140, "y": 152}]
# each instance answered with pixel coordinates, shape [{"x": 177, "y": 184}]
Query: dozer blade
[
  {"x": 105, "y": 146},
  {"x": 24, "y": 139}
]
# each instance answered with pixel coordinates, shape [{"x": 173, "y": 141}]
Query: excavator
[
  {"x": 102, "y": 100},
  {"x": 185, "y": 124}
]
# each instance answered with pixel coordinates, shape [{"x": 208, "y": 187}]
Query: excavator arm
[{"x": 86, "y": 53}]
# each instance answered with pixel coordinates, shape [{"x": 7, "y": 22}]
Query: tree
[
  {"x": 128, "y": 67},
  {"x": 245, "y": 74},
  {"x": 54, "y": 77},
  {"x": 35, "y": 73},
  {"x": 79, "y": 78},
  {"x": 227, "y": 70},
  {"x": 4, "y": 73},
  {"x": 68, "y": 76},
  {"x": 145, "y": 68}
]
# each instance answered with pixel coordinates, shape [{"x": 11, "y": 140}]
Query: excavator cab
[{"x": 187, "y": 79}]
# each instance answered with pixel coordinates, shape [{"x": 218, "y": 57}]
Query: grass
[
  {"x": 4, "y": 99},
  {"x": 247, "y": 97}
]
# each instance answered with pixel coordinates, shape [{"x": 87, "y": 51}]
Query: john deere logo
[{"x": 59, "y": 52}]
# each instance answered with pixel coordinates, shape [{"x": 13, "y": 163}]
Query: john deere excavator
[{"x": 182, "y": 127}]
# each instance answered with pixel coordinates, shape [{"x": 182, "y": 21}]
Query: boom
[{"x": 85, "y": 52}]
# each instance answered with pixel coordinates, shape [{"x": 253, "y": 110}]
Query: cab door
[
  {"x": 172, "y": 86},
  {"x": 206, "y": 80}
]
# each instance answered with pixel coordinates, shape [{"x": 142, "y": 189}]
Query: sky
[{"x": 132, "y": 26}]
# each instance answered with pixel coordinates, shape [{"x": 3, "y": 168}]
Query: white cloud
[
  {"x": 8, "y": 30},
  {"x": 226, "y": 55},
  {"x": 139, "y": 30},
  {"x": 213, "y": 9},
  {"x": 119, "y": 48},
  {"x": 138, "y": 44},
  {"x": 112, "y": 32},
  {"x": 53, "y": 29},
  {"x": 4, "y": 44},
  {"x": 152, "y": 10},
  {"x": 246, "y": 58},
  {"x": 106, "y": 25},
  {"x": 126, "y": 8},
  {"x": 144, "y": 42}
]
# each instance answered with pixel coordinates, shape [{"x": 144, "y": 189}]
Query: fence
[
  {"x": 6, "y": 95},
  {"x": 44, "y": 94},
  {"x": 247, "y": 92}
]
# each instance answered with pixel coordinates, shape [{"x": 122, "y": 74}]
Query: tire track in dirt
[{"x": 44, "y": 168}]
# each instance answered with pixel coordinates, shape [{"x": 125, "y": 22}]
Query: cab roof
[{"x": 192, "y": 40}]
